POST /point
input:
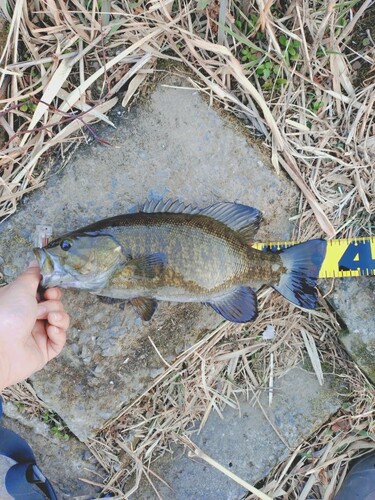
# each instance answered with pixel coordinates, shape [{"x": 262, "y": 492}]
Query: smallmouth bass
[{"x": 170, "y": 251}]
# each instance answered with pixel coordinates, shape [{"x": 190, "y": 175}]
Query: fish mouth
[
  {"x": 40, "y": 256},
  {"x": 49, "y": 271}
]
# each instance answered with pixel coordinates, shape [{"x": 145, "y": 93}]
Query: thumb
[{"x": 30, "y": 278}]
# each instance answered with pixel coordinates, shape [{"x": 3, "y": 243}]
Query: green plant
[
  {"x": 268, "y": 71},
  {"x": 316, "y": 105},
  {"x": 290, "y": 48},
  {"x": 57, "y": 427},
  {"x": 28, "y": 107},
  {"x": 247, "y": 26}
]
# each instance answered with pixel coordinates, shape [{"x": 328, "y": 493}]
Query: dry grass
[
  {"x": 64, "y": 65},
  {"x": 234, "y": 360}
]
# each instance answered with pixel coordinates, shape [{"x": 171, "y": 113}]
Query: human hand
[{"x": 32, "y": 332}]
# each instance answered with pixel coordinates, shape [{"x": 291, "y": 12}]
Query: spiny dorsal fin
[
  {"x": 241, "y": 218},
  {"x": 172, "y": 206}
]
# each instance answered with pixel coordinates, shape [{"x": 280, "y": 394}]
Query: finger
[
  {"x": 56, "y": 341},
  {"x": 30, "y": 278},
  {"x": 53, "y": 294},
  {"x": 59, "y": 319},
  {"x": 48, "y": 306}
]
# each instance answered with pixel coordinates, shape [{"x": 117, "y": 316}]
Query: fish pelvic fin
[
  {"x": 144, "y": 307},
  {"x": 239, "y": 306},
  {"x": 303, "y": 263}
]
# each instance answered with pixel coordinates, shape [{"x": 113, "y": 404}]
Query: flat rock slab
[
  {"x": 173, "y": 145},
  {"x": 67, "y": 464},
  {"x": 245, "y": 442},
  {"x": 354, "y": 301}
]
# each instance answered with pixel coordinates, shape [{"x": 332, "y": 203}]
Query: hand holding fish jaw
[{"x": 32, "y": 332}]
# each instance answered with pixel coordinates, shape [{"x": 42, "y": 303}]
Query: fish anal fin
[
  {"x": 147, "y": 266},
  {"x": 241, "y": 218},
  {"x": 144, "y": 307},
  {"x": 239, "y": 306}
]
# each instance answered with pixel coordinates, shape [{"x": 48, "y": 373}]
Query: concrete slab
[
  {"x": 354, "y": 301},
  {"x": 244, "y": 442},
  {"x": 173, "y": 145}
]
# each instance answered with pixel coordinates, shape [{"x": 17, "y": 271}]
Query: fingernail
[
  {"x": 55, "y": 316},
  {"x": 42, "y": 310},
  {"x": 33, "y": 263}
]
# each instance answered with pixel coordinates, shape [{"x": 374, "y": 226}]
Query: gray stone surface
[
  {"x": 354, "y": 300},
  {"x": 65, "y": 463},
  {"x": 245, "y": 442},
  {"x": 173, "y": 146}
]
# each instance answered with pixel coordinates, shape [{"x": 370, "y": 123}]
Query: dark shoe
[{"x": 359, "y": 483}]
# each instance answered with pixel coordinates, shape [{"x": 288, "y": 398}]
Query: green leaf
[
  {"x": 267, "y": 85},
  {"x": 113, "y": 30},
  {"x": 266, "y": 73},
  {"x": 238, "y": 23},
  {"x": 283, "y": 40},
  {"x": 24, "y": 108}
]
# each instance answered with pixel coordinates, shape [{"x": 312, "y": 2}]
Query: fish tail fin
[{"x": 303, "y": 263}]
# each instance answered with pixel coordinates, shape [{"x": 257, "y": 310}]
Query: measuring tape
[{"x": 344, "y": 258}]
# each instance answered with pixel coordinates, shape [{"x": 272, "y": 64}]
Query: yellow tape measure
[{"x": 344, "y": 258}]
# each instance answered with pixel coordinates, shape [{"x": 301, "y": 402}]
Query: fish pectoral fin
[
  {"x": 241, "y": 218},
  {"x": 239, "y": 306},
  {"x": 147, "y": 266},
  {"x": 144, "y": 307}
]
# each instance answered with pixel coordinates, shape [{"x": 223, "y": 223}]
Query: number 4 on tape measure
[
  {"x": 357, "y": 256},
  {"x": 351, "y": 257}
]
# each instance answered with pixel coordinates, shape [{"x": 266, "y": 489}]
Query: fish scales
[
  {"x": 203, "y": 257},
  {"x": 170, "y": 251}
]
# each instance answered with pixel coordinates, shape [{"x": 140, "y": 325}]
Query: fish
[{"x": 170, "y": 251}]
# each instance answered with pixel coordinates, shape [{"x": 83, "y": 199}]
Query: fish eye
[{"x": 65, "y": 245}]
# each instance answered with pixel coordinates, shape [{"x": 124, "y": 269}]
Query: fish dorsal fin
[
  {"x": 238, "y": 306},
  {"x": 144, "y": 307},
  {"x": 171, "y": 206},
  {"x": 241, "y": 218},
  {"x": 147, "y": 266}
]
